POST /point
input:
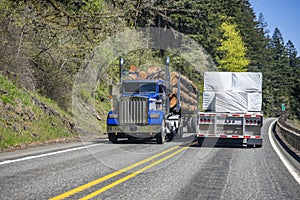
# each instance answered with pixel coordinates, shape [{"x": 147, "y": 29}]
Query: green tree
[
  {"x": 43, "y": 43},
  {"x": 232, "y": 50},
  {"x": 280, "y": 77},
  {"x": 292, "y": 53},
  {"x": 262, "y": 24},
  {"x": 294, "y": 74}
]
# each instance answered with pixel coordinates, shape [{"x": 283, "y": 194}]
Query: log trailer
[
  {"x": 232, "y": 104},
  {"x": 151, "y": 103}
]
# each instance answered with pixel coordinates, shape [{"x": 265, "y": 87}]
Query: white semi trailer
[{"x": 232, "y": 103}]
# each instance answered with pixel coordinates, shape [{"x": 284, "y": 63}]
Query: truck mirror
[{"x": 121, "y": 61}]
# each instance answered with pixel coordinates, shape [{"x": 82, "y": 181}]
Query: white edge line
[
  {"x": 286, "y": 163},
  {"x": 46, "y": 154}
]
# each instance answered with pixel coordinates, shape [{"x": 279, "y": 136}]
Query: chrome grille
[{"x": 133, "y": 110}]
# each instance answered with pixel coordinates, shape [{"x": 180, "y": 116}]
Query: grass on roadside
[{"x": 23, "y": 122}]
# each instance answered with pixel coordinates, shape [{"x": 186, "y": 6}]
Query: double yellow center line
[{"x": 116, "y": 173}]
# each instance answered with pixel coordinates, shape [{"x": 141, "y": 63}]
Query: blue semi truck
[{"x": 151, "y": 103}]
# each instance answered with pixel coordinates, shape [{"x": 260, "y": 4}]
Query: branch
[{"x": 20, "y": 41}]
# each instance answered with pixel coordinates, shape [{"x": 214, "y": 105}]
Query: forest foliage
[{"x": 44, "y": 43}]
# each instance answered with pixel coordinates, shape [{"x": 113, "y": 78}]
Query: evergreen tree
[
  {"x": 264, "y": 63},
  {"x": 258, "y": 40},
  {"x": 296, "y": 90},
  {"x": 277, "y": 45},
  {"x": 294, "y": 74},
  {"x": 292, "y": 53},
  {"x": 262, "y": 24},
  {"x": 232, "y": 50},
  {"x": 281, "y": 78}
]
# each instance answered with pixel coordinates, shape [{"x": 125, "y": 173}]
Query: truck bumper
[
  {"x": 231, "y": 140},
  {"x": 126, "y": 131}
]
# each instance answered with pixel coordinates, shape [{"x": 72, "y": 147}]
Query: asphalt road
[{"x": 145, "y": 170}]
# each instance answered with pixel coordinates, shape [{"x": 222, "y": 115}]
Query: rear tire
[
  {"x": 180, "y": 129},
  {"x": 200, "y": 141},
  {"x": 191, "y": 125},
  {"x": 170, "y": 136}
]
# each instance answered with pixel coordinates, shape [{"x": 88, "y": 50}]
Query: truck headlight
[
  {"x": 113, "y": 115},
  {"x": 154, "y": 115}
]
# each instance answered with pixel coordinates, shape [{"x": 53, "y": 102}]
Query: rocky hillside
[{"x": 27, "y": 119}]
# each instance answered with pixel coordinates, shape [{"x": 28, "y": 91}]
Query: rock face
[
  {"x": 51, "y": 112},
  {"x": 26, "y": 120},
  {"x": 18, "y": 116}
]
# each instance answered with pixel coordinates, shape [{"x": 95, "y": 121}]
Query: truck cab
[
  {"x": 141, "y": 110},
  {"x": 140, "y": 104}
]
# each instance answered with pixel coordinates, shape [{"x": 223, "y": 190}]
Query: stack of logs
[{"x": 188, "y": 90}]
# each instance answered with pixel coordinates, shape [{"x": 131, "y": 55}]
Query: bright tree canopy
[{"x": 232, "y": 52}]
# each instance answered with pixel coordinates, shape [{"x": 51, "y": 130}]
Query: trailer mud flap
[{"x": 255, "y": 141}]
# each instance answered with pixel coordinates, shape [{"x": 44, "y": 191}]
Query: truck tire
[
  {"x": 161, "y": 136},
  {"x": 180, "y": 129},
  {"x": 180, "y": 132},
  {"x": 112, "y": 138},
  {"x": 170, "y": 136},
  {"x": 191, "y": 125},
  {"x": 200, "y": 141}
]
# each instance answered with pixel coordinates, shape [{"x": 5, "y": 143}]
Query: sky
[{"x": 283, "y": 14}]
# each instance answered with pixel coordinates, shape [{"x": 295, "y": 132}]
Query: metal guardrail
[{"x": 289, "y": 134}]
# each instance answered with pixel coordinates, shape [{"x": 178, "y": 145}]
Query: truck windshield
[
  {"x": 140, "y": 87},
  {"x": 148, "y": 88},
  {"x": 131, "y": 87}
]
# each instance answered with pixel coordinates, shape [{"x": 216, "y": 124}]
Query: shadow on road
[
  {"x": 186, "y": 140},
  {"x": 219, "y": 143}
]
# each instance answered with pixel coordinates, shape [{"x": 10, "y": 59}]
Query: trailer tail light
[
  {"x": 206, "y": 120},
  {"x": 252, "y": 121},
  {"x": 231, "y": 119}
]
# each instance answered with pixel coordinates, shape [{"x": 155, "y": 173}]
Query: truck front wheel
[
  {"x": 161, "y": 136},
  {"x": 112, "y": 138}
]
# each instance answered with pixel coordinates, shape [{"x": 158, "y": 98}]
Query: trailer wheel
[
  {"x": 180, "y": 129},
  {"x": 112, "y": 138},
  {"x": 191, "y": 125},
  {"x": 179, "y": 132},
  {"x": 161, "y": 136},
  {"x": 200, "y": 141}
]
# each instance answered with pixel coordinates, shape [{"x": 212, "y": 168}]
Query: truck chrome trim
[
  {"x": 133, "y": 110},
  {"x": 134, "y": 129}
]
